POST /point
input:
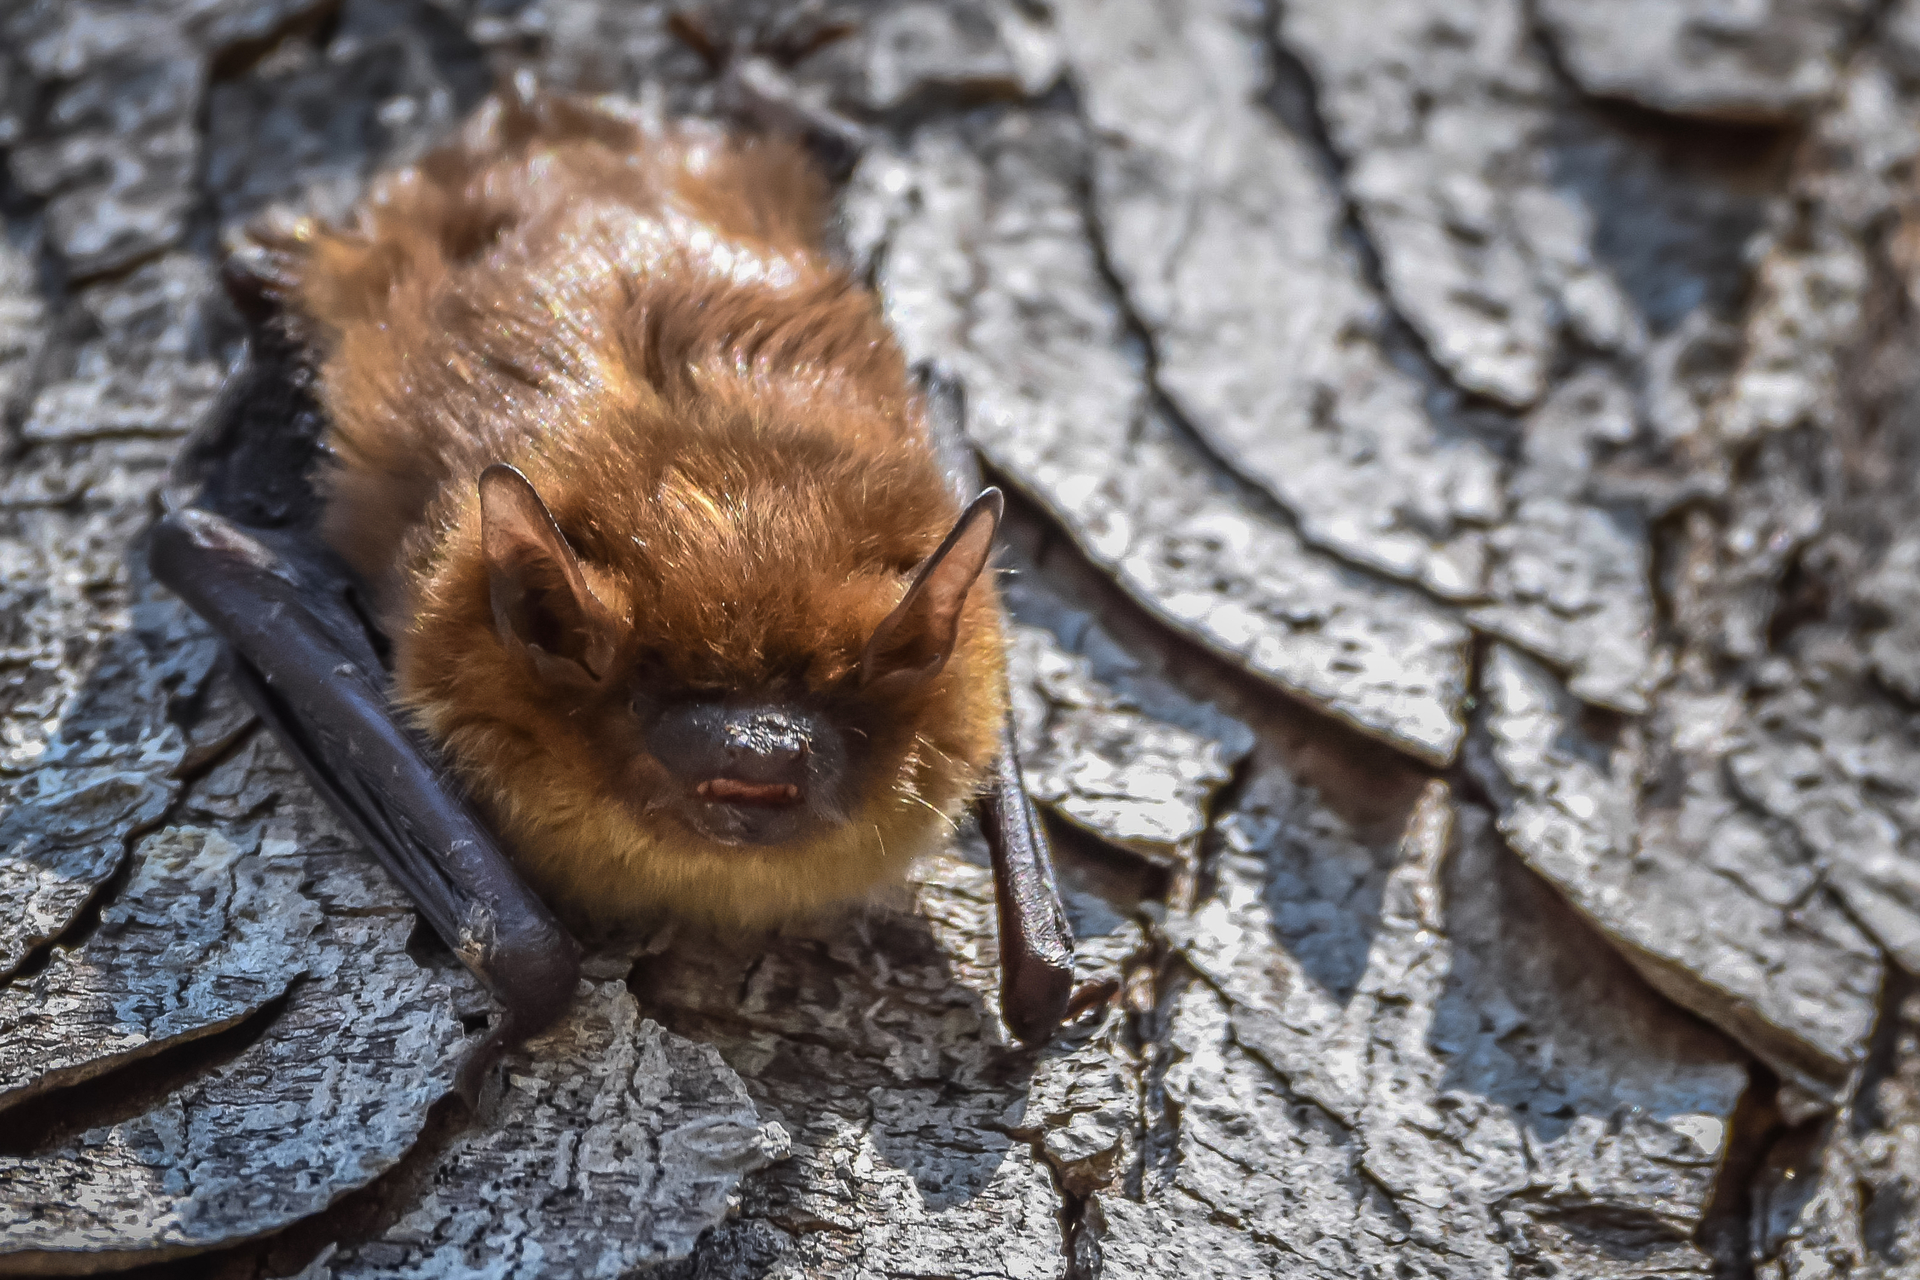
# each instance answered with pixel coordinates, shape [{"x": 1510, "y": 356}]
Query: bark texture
[{"x": 1466, "y": 635}]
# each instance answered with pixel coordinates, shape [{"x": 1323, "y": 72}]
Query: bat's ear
[
  {"x": 541, "y": 599},
  {"x": 912, "y": 643}
]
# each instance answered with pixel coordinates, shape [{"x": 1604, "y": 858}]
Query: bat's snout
[{"x": 756, "y": 772}]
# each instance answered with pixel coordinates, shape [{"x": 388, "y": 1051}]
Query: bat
[{"x": 583, "y": 534}]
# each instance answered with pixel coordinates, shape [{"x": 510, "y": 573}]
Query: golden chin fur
[
  {"x": 604, "y": 867},
  {"x": 724, "y": 431}
]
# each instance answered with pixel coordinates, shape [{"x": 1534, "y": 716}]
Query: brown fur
[{"x": 643, "y": 324}]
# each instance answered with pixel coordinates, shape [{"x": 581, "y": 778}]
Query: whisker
[{"x": 924, "y": 803}]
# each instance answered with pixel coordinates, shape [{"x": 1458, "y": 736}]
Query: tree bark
[{"x": 1463, "y": 555}]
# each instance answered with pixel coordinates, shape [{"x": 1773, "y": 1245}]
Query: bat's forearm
[{"x": 311, "y": 673}]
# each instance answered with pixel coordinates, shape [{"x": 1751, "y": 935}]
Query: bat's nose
[
  {"x": 768, "y": 747},
  {"x": 753, "y": 754},
  {"x": 757, "y": 771}
]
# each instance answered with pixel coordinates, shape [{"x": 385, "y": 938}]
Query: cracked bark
[
  {"x": 1360, "y": 1104},
  {"x": 639, "y": 1135},
  {"x": 1451, "y": 411},
  {"x": 201, "y": 938},
  {"x": 1835, "y": 1199},
  {"x": 1768, "y": 63},
  {"x": 1094, "y": 760},
  {"x": 1718, "y": 908},
  {"x": 985, "y": 266},
  {"x": 1225, "y": 234}
]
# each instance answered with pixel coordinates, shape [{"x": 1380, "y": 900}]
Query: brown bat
[{"x": 639, "y": 490}]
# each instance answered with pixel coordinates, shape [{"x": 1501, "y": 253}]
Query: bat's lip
[{"x": 758, "y": 795}]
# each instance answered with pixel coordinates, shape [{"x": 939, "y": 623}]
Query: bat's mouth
[{"x": 757, "y": 795}]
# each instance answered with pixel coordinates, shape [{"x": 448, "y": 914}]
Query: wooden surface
[{"x": 1464, "y": 547}]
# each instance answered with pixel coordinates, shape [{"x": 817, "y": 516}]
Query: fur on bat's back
[
  {"x": 558, "y": 286},
  {"x": 642, "y": 322}
]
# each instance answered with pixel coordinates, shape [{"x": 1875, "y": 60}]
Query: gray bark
[
  {"x": 983, "y": 256},
  {"x": 1465, "y": 634}
]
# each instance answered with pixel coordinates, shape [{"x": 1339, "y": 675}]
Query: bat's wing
[
  {"x": 242, "y": 552},
  {"x": 1036, "y": 943}
]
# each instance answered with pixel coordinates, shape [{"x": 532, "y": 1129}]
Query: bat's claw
[
  {"x": 788, "y": 41},
  {"x": 754, "y": 85},
  {"x": 470, "y": 1081},
  {"x": 757, "y": 90},
  {"x": 1091, "y": 995},
  {"x": 264, "y": 270},
  {"x": 518, "y": 1024}
]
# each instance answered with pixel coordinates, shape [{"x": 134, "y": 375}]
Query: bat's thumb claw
[{"x": 471, "y": 1080}]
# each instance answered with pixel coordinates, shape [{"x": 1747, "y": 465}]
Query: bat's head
[{"x": 735, "y": 705}]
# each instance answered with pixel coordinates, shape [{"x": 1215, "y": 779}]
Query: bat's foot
[
  {"x": 509, "y": 1032},
  {"x": 470, "y": 1081},
  {"x": 1036, "y": 943},
  {"x": 1090, "y": 995},
  {"x": 755, "y": 85},
  {"x": 263, "y": 273},
  {"x": 791, "y": 39}
]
